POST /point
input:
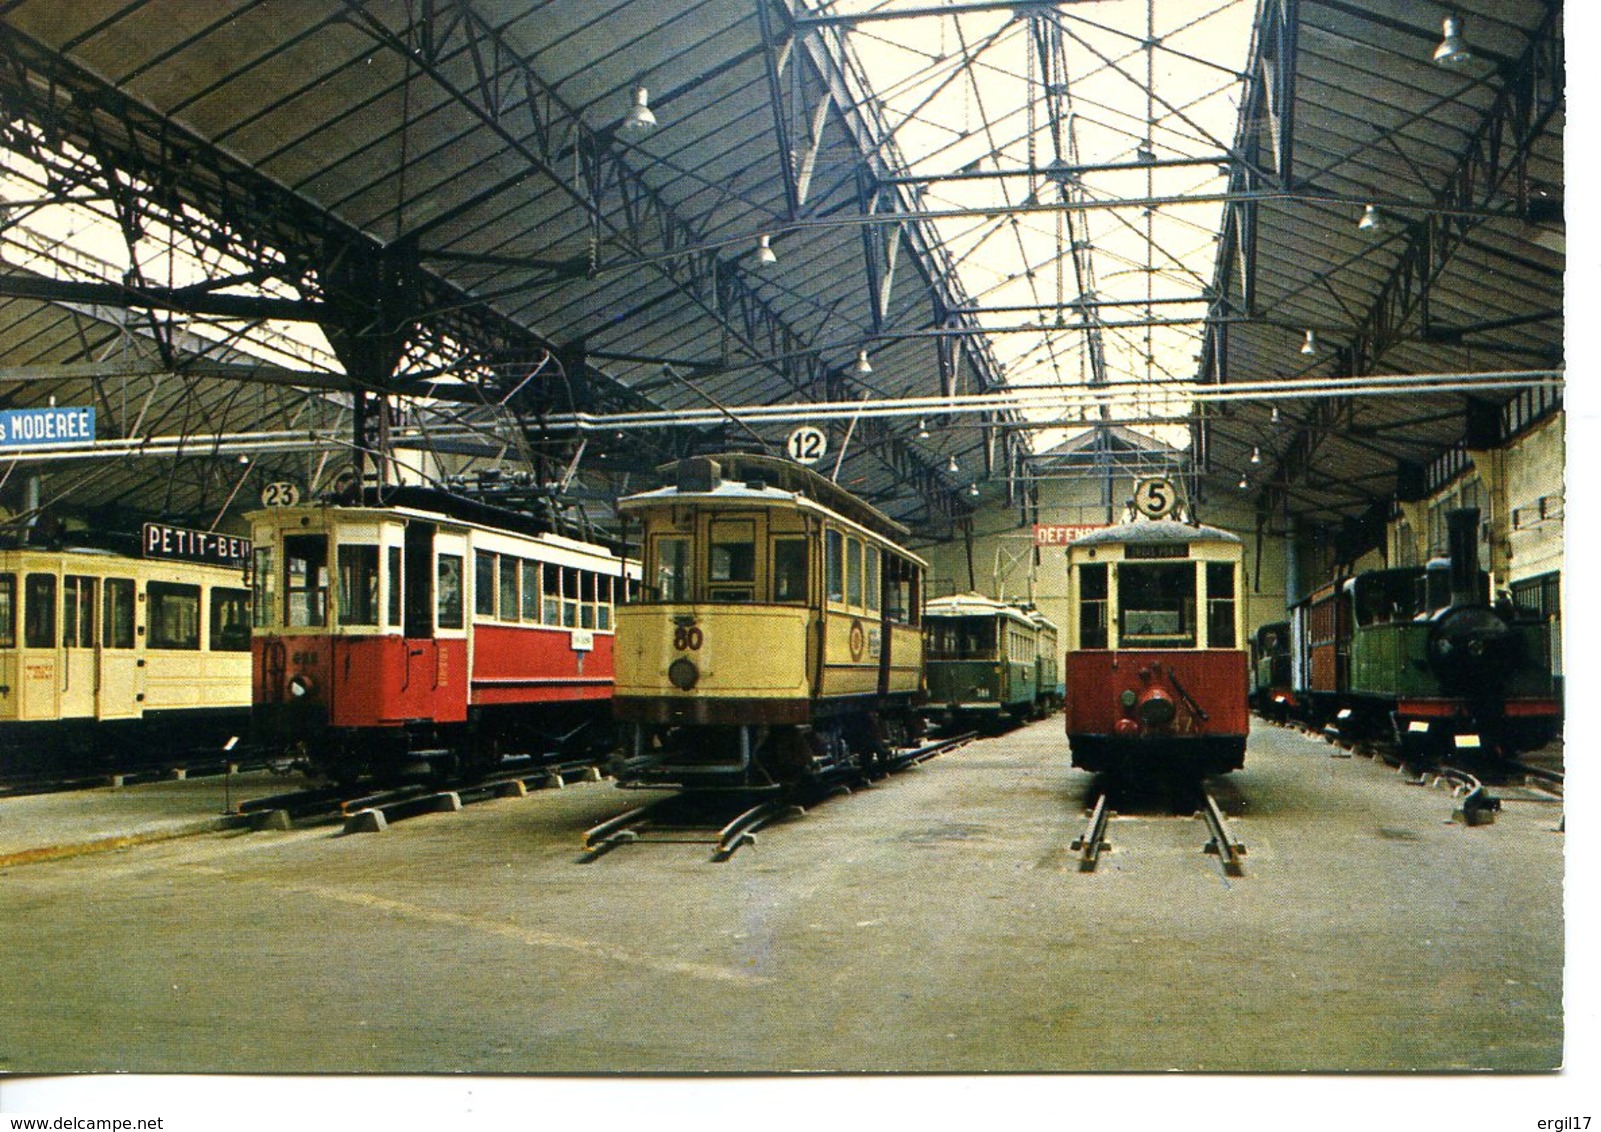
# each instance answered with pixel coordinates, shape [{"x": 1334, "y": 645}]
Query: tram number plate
[
  {"x": 1155, "y": 498},
  {"x": 807, "y": 445}
]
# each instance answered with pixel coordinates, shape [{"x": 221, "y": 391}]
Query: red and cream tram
[
  {"x": 429, "y": 632},
  {"x": 1156, "y": 667}
]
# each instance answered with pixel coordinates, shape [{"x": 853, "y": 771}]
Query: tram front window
[
  {"x": 1156, "y": 605},
  {"x": 306, "y": 580},
  {"x": 672, "y": 569},
  {"x": 732, "y": 564}
]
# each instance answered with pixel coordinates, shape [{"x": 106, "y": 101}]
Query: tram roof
[
  {"x": 734, "y": 473},
  {"x": 1155, "y": 530},
  {"x": 975, "y": 604}
]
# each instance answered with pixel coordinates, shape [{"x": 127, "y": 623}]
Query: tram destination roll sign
[
  {"x": 213, "y": 547},
  {"x": 38, "y": 428}
]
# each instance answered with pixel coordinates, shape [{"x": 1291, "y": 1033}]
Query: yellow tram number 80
[{"x": 688, "y": 638}]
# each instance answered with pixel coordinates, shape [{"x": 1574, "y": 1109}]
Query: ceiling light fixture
[
  {"x": 1244, "y": 483},
  {"x": 1371, "y": 220},
  {"x": 922, "y": 429},
  {"x": 862, "y": 367},
  {"x": 1452, "y": 52},
  {"x": 1309, "y": 347},
  {"x": 1256, "y": 454},
  {"x": 972, "y": 488},
  {"x": 1144, "y": 154},
  {"x": 639, "y": 120},
  {"x": 765, "y": 255},
  {"x": 953, "y": 467},
  {"x": 1273, "y": 418}
]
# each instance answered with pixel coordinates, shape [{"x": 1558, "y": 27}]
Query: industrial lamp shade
[
  {"x": 765, "y": 256},
  {"x": 863, "y": 367},
  {"x": 639, "y": 120},
  {"x": 1371, "y": 220},
  {"x": 1309, "y": 347},
  {"x": 1453, "y": 52}
]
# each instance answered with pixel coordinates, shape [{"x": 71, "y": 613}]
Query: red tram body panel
[{"x": 1213, "y": 677}]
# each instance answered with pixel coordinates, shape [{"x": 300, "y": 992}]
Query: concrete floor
[{"x": 936, "y": 922}]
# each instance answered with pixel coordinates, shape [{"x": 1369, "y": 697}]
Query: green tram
[{"x": 989, "y": 661}]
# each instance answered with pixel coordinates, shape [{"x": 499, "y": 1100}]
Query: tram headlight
[
  {"x": 1156, "y": 709},
  {"x": 300, "y": 685},
  {"x": 1128, "y": 699},
  {"x": 683, "y": 674}
]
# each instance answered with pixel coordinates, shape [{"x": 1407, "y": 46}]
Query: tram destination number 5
[{"x": 1154, "y": 498}]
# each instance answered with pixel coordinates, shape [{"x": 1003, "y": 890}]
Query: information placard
[
  {"x": 36, "y": 428},
  {"x": 162, "y": 541}
]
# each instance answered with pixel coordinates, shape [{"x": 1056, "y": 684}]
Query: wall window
[
  {"x": 306, "y": 579},
  {"x": 8, "y": 611},
  {"x": 117, "y": 614},
  {"x": 173, "y": 613},
  {"x": 39, "y": 612},
  {"x": 483, "y": 583},
  {"x": 448, "y": 607},
  {"x": 230, "y": 618},
  {"x": 789, "y": 570},
  {"x": 77, "y": 611},
  {"x": 358, "y": 585}
]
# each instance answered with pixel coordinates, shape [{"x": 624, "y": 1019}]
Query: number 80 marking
[{"x": 688, "y": 639}]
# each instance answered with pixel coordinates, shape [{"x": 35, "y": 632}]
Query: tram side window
[
  {"x": 77, "y": 611},
  {"x": 835, "y": 555},
  {"x": 1156, "y": 604},
  {"x": 173, "y": 611},
  {"x": 586, "y": 599},
  {"x": 483, "y": 583},
  {"x": 509, "y": 603},
  {"x": 1220, "y": 605},
  {"x": 853, "y": 572},
  {"x": 874, "y": 579},
  {"x": 306, "y": 579},
  {"x": 117, "y": 614},
  {"x": 673, "y": 578},
  {"x": 394, "y": 587},
  {"x": 447, "y": 607},
  {"x": 531, "y": 592},
  {"x": 358, "y": 585},
  {"x": 265, "y": 584},
  {"x": 39, "y": 612},
  {"x": 901, "y": 580},
  {"x": 1092, "y": 606},
  {"x": 552, "y": 584},
  {"x": 603, "y": 600},
  {"x": 789, "y": 570},
  {"x": 8, "y": 611},
  {"x": 230, "y": 618},
  {"x": 569, "y": 597}
]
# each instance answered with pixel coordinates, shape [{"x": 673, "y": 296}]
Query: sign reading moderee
[{"x": 38, "y": 427}]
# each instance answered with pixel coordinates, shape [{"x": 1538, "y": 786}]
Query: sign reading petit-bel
[
  {"x": 162, "y": 541},
  {"x": 39, "y": 427}
]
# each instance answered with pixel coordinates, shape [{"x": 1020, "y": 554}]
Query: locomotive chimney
[{"x": 1462, "y": 528}]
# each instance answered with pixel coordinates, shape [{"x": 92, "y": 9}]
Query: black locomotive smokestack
[{"x": 1462, "y": 532}]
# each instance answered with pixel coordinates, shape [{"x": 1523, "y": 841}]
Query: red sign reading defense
[{"x": 1060, "y": 534}]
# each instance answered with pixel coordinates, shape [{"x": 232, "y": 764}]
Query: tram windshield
[
  {"x": 1156, "y": 605},
  {"x": 961, "y": 638}
]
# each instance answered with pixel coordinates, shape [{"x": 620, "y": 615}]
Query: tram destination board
[
  {"x": 38, "y": 428},
  {"x": 214, "y": 547}
]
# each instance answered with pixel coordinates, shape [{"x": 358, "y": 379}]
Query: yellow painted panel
[{"x": 738, "y": 650}]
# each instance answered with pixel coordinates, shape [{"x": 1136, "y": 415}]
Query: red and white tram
[
  {"x": 429, "y": 632},
  {"x": 1156, "y": 667}
]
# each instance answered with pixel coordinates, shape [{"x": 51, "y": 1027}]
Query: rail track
[
  {"x": 731, "y": 819},
  {"x": 1222, "y": 844}
]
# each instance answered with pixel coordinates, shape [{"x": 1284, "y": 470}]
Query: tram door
[
  {"x": 418, "y": 584},
  {"x": 120, "y": 679},
  {"x": 79, "y": 670}
]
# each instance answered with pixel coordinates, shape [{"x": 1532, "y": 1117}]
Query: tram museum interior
[{"x": 972, "y": 280}]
